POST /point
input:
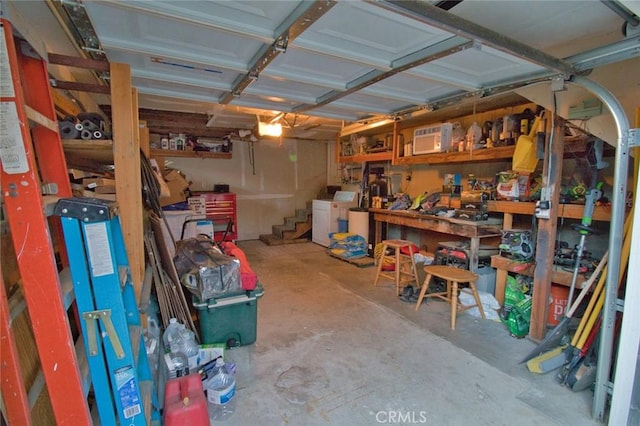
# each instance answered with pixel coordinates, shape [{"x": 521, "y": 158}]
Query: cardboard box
[
  {"x": 175, "y": 176},
  {"x": 177, "y": 185},
  {"x": 92, "y": 183},
  {"x": 177, "y": 194},
  {"x": 445, "y": 199}
]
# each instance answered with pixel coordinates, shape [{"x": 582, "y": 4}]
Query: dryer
[{"x": 327, "y": 212}]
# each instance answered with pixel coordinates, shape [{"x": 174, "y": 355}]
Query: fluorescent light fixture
[{"x": 267, "y": 129}]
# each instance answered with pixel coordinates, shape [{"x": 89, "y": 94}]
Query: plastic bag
[
  {"x": 204, "y": 270},
  {"x": 248, "y": 277},
  {"x": 513, "y": 295},
  {"x": 490, "y": 305},
  {"x": 520, "y": 318}
]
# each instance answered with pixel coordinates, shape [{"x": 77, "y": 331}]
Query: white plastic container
[
  {"x": 221, "y": 389},
  {"x": 474, "y": 135},
  {"x": 486, "y": 280}
]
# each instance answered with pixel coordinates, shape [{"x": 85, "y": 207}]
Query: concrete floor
[{"x": 334, "y": 350}]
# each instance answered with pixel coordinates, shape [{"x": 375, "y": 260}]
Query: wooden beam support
[
  {"x": 165, "y": 122},
  {"x": 63, "y": 104},
  {"x": 82, "y": 87},
  {"x": 126, "y": 158},
  {"x": 74, "y": 61},
  {"x": 545, "y": 246}
]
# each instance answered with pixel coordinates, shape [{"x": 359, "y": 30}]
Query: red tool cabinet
[{"x": 221, "y": 209}]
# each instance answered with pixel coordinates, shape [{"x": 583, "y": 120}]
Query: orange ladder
[{"x": 26, "y": 102}]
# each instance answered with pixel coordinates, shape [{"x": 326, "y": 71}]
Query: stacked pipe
[{"x": 86, "y": 126}]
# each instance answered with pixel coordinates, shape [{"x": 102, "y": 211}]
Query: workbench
[{"x": 473, "y": 230}]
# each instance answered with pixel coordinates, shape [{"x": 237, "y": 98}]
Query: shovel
[
  {"x": 554, "y": 336},
  {"x": 525, "y": 159}
]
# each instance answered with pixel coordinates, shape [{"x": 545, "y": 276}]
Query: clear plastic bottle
[
  {"x": 178, "y": 338},
  {"x": 178, "y": 364},
  {"x": 474, "y": 134},
  {"x": 221, "y": 389},
  {"x": 152, "y": 343},
  {"x": 188, "y": 341},
  {"x": 171, "y": 335},
  {"x": 457, "y": 136}
]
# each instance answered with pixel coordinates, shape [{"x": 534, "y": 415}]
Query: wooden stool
[
  {"x": 453, "y": 276},
  {"x": 399, "y": 275}
]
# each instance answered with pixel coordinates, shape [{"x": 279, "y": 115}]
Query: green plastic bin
[{"x": 229, "y": 317}]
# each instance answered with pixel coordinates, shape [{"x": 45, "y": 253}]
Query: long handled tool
[
  {"x": 597, "y": 300},
  {"x": 584, "y": 228},
  {"x": 581, "y": 374},
  {"x": 595, "y": 305},
  {"x": 554, "y": 337}
]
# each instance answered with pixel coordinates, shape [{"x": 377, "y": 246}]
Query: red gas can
[{"x": 185, "y": 402}]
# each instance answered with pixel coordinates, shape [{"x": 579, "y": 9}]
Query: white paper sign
[
  {"x": 6, "y": 83},
  {"x": 12, "y": 153},
  {"x": 99, "y": 248}
]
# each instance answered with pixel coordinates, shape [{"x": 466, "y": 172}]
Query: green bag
[
  {"x": 513, "y": 294},
  {"x": 520, "y": 318}
]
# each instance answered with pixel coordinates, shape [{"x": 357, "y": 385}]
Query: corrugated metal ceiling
[{"x": 341, "y": 61}]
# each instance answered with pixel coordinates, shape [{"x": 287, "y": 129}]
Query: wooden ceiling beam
[{"x": 73, "y": 61}]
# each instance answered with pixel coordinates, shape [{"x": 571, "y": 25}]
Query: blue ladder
[{"x": 109, "y": 317}]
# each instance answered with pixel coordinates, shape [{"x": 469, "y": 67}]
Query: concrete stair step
[
  {"x": 294, "y": 228},
  {"x": 279, "y": 230},
  {"x": 272, "y": 240},
  {"x": 301, "y": 229},
  {"x": 290, "y": 222},
  {"x": 303, "y": 214}
]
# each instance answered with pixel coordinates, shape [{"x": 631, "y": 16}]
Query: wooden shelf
[
  {"x": 83, "y": 151},
  {"x": 569, "y": 211},
  {"x": 487, "y": 154},
  {"x": 190, "y": 154},
  {"x": 559, "y": 276},
  {"x": 101, "y": 151},
  {"x": 377, "y": 156}
]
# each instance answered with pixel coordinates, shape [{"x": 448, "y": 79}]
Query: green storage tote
[{"x": 229, "y": 317}]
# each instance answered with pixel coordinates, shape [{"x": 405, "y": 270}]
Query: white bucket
[{"x": 359, "y": 223}]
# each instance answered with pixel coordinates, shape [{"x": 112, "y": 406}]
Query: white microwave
[{"x": 431, "y": 139}]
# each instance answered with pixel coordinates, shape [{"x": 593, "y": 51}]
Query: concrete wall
[{"x": 288, "y": 174}]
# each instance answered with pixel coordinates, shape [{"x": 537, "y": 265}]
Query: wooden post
[
  {"x": 545, "y": 246},
  {"x": 126, "y": 158},
  {"x": 501, "y": 274}
]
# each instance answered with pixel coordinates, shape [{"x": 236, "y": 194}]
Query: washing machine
[{"x": 327, "y": 212}]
